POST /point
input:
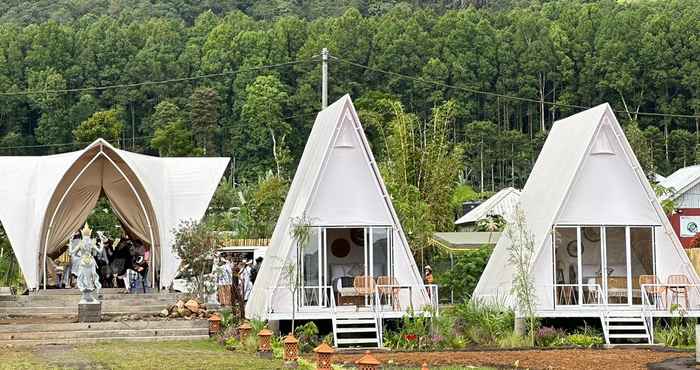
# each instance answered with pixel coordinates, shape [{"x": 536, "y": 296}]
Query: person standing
[
  {"x": 256, "y": 269},
  {"x": 246, "y": 284},
  {"x": 224, "y": 278}
]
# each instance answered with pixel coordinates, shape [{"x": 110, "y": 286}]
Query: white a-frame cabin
[
  {"x": 356, "y": 268},
  {"x": 603, "y": 246}
]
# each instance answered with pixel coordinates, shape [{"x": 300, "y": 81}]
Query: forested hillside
[{"x": 558, "y": 56}]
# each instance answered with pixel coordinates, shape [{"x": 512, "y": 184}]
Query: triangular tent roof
[
  {"x": 44, "y": 199},
  {"x": 337, "y": 183},
  {"x": 502, "y": 203},
  {"x": 586, "y": 174}
]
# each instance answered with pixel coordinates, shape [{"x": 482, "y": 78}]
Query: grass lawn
[{"x": 133, "y": 355}]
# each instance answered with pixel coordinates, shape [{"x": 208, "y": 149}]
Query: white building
[
  {"x": 502, "y": 204},
  {"x": 601, "y": 239},
  {"x": 356, "y": 266}
]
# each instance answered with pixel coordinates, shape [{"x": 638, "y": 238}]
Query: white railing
[
  {"x": 401, "y": 298},
  {"x": 674, "y": 297}
]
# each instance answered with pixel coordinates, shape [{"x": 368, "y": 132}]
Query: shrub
[
  {"x": 548, "y": 336},
  {"x": 424, "y": 333},
  {"x": 677, "y": 331},
  {"x": 584, "y": 340},
  {"x": 308, "y": 336},
  {"x": 463, "y": 276},
  {"x": 484, "y": 323}
]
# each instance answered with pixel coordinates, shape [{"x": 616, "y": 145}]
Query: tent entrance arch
[{"x": 98, "y": 171}]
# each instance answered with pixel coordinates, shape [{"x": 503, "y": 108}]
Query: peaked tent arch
[
  {"x": 329, "y": 132},
  {"x": 171, "y": 190},
  {"x": 100, "y": 169}
]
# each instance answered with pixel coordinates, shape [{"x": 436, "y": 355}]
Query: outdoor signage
[{"x": 690, "y": 225}]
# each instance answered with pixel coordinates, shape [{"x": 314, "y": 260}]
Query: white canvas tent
[
  {"x": 44, "y": 199},
  {"x": 588, "y": 183},
  {"x": 337, "y": 185}
]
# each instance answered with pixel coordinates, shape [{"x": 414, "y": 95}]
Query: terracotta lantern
[
  {"x": 244, "y": 330},
  {"x": 291, "y": 348},
  {"x": 425, "y": 366},
  {"x": 324, "y": 356},
  {"x": 367, "y": 362},
  {"x": 214, "y": 323},
  {"x": 265, "y": 343}
]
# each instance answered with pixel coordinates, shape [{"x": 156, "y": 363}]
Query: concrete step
[
  {"x": 54, "y": 292},
  {"x": 105, "y": 325},
  {"x": 35, "y": 342},
  {"x": 56, "y": 335},
  {"x": 106, "y": 308}
]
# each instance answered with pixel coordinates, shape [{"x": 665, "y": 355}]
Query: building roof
[
  {"x": 464, "y": 240},
  {"x": 502, "y": 204},
  {"x": 682, "y": 180}
]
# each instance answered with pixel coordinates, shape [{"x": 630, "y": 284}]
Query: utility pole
[{"x": 324, "y": 78}]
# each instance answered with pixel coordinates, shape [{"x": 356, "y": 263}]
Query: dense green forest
[{"x": 475, "y": 84}]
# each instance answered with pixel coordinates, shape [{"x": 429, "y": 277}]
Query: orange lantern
[
  {"x": 367, "y": 362},
  {"x": 291, "y": 348},
  {"x": 265, "y": 344},
  {"x": 214, "y": 324},
  {"x": 324, "y": 356},
  {"x": 425, "y": 366},
  {"x": 244, "y": 330}
]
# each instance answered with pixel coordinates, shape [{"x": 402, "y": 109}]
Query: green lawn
[{"x": 133, "y": 355}]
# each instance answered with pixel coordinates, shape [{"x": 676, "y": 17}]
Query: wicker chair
[
  {"x": 678, "y": 286},
  {"x": 391, "y": 293},
  {"x": 654, "y": 290},
  {"x": 364, "y": 286}
]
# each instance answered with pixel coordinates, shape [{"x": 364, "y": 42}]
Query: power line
[
  {"x": 159, "y": 82},
  {"x": 76, "y": 143},
  {"x": 498, "y": 95}
]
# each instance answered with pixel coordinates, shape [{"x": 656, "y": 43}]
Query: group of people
[
  {"x": 228, "y": 272},
  {"x": 120, "y": 263}
]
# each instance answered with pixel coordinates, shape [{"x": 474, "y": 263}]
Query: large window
[{"x": 593, "y": 263}]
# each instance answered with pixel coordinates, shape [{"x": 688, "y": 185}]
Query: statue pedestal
[{"x": 90, "y": 312}]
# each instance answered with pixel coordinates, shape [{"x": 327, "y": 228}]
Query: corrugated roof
[
  {"x": 682, "y": 180},
  {"x": 502, "y": 204}
]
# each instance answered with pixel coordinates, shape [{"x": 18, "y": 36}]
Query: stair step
[
  {"x": 356, "y": 322},
  {"x": 52, "y": 335},
  {"x": 356, "y": 330},
  {"x": 627, "y": 327},
  {"x": 33, "y": 342},
  {"x": 628, "y": 336},
  {"x": 104, "y": 325},
  {"x": 625, "y": 319},
  {"x": 357, "y": 340}
]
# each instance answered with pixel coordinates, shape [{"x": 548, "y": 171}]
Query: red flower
[{"x": 411, "y": 337}]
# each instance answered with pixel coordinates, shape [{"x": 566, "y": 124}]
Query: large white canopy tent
[
  {"x": 44, "y": 199},
  {"x": 586, "y": 174}
]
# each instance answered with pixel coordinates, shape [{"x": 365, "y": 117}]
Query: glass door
[{"x": 311, "y": 293}]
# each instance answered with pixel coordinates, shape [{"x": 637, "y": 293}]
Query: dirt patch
[{"x": 574, "y": 359}]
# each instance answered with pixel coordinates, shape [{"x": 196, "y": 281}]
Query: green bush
[
  {"x": 424, "y": 333},
  {"x": 484, "y": 323},
  {"x": 308, "y": 336},
  {"x": 463, "y": 276},
  {"x": 584, "y": 340}
]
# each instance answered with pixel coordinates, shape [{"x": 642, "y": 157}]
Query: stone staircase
[
  {"x": 50, "y": 317},
  {"x": 64, "y": 303},
  {"x": 75, "y": 333}
]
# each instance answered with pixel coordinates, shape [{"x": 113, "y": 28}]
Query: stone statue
[{"x": 85, "y": 249}]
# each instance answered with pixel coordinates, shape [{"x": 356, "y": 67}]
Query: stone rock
[
  {"x": 164, "y": 313},
  {"x": 180, "y": 303},
  {"x": 192, "y": 305}
]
